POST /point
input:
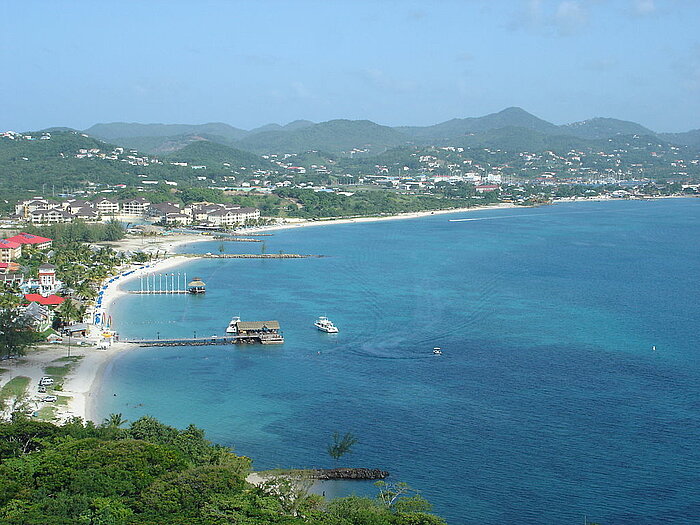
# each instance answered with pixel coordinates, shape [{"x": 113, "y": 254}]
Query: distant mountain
[
  {"x": 332, "y": 136},
  {"x": 508, "y": 118},
  {"x": 122, "y": 130},
  {"x": 161, "y": 145},
  {"x": 603, "y": 128},
  {"x": 515, "y": 139},
  {"x": 514, "y": 126},
  {"x": 689, "y": 138},
  {"x": 58, "y": 129},
  {"x": 298, "y": 124},
  {"x": 292, "y": 126},
  {"x": 212, "y": 154}
]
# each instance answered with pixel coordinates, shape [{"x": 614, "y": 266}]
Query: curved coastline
[{"x": 84, "y": 382}]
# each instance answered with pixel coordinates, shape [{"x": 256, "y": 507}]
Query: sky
[{"x": 250, "y": 63}]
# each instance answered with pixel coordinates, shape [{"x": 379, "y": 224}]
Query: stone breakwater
[{"x": 348, "y": 473}]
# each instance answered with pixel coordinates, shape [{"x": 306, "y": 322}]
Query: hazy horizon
[{"x": 395, "y": 63}]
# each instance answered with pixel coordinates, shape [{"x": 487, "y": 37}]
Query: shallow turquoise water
[{"x": 548, "y": 404}]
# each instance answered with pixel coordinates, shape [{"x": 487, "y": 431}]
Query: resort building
[
  {"x": 24, "y": 208},
  {"x": 136, "y": 206},
  {"x": 37, "y": 316},
  {"x": 8, "y": 267},
  {"x": 50, "y": 300},
  {"x": 106, "y": 206},
  {"x": 47, "y": 279},
  {"x": 9, "y": 251},
  {"x": 11, "y": 278},
  {"x": 50, "y": 216},
  {"x": 29, "y": 239}
]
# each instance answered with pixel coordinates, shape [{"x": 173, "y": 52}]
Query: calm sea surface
[{"x": 548, "y": 403}]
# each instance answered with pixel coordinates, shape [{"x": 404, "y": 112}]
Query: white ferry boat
[
  {"x": 232, "y": 328},
  {"x": 323, "y": 324}
]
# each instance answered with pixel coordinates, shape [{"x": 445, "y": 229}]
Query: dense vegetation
[
  {"x": 150, "y": 473},
  {"x": 78, "y": 232},
  {"x": 311, "y": 204}
]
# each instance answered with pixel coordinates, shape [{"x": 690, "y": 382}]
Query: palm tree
[
  {"x": 115, "y": 420},
  {"x": 68, "y": 311}
]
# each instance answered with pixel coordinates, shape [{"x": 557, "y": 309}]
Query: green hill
[
  {"x": 515, "y": 139},
  {"x": 689, "y": 138},
  {"x": 603, "y": 128},
  {"x": 208, "y": 153},
  {"x": 510, "y": 117},
  {"x": 333, "y": 136},
  {"x": 58, "y": 163},
  {"x": 121, "y": 130}
]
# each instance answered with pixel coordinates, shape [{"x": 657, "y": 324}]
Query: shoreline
[{"x": 84, "y": 381}]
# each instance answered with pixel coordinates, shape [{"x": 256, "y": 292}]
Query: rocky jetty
[{"x": 348, "y": 473}]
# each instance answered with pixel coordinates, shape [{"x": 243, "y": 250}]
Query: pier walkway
[
  {"x": 250, "y": 255},
  {"x": 265, "y": 339}
]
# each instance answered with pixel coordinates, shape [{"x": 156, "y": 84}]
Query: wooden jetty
[
  {"x": 236, "y": 239},
  {"x": 249, "y": 255},
  {"x": 247, "y": 332}
]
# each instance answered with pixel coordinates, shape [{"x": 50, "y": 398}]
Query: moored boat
[
  {"x": 325, "y": 325},
  {"x": 232, "y": 326}
]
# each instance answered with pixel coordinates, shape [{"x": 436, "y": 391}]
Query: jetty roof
[{"x": 251, "y": 326}]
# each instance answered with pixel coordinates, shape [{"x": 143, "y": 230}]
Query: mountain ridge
[{"x": 342, "y": 135}]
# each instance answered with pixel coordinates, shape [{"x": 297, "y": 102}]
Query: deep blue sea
[{"x": 548, "y": 404}]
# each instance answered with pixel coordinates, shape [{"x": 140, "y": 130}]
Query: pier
[
  {"x": 250, "y": 255},
  {"x": 168, "y": 284},
  {"x": 246, "y": 332},
  {"x": 236, "y": 239}
]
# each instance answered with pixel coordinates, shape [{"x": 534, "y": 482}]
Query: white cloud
[
  {"x": 570, "y": 17},
  {"x": 551, "y": 17},
  {"x": 644, "y": 7}
]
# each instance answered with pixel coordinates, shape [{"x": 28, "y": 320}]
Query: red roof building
[
  {"x": 32, "y": 240},
  {"x": 51, "y": 300},
  {"x": 9, "y": 250}
]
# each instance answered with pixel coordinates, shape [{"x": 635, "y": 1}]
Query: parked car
[
  {"x": 49, "y": 399},
  {"x": 42, "y": 389},
  {"x": 44, "y": 381}
]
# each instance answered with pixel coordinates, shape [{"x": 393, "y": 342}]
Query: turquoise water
[{"x": 547, "y": 404}]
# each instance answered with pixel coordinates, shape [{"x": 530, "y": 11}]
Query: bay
[{"x": 548, "y": 404}]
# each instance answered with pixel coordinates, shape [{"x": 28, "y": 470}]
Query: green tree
[
  {"x": 341, "y": 445},
  {"x": 15, "y": 336},
  {"x": 114, "y": 421}
]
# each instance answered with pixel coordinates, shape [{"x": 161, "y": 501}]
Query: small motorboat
[
  {"x": 437, "y": 351},
  {"x": 325, "y": 325}
]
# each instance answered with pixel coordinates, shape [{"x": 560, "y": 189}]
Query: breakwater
[{"x": 347, "y": 473}]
